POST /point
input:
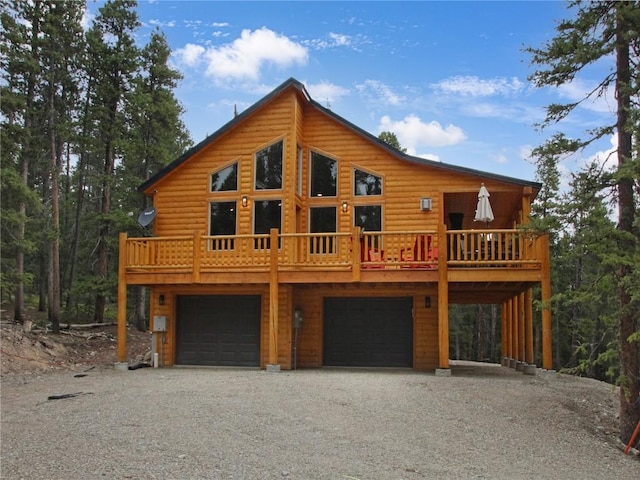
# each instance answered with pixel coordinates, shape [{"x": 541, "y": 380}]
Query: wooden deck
[{"x": 469, "y": 255}]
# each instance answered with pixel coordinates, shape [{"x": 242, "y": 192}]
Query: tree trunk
[
  {"x": 103, "y": 249},
  {"x": 629, "y": 387},
  {"x": 54, "y": 274},
  {"x": 141, "y": 308},
  {"x": 480, "y": 356}
]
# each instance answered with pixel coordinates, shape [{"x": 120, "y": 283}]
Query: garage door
[
  {"x": 368, "y": 332},
  {"x": 218, "y": 330}
]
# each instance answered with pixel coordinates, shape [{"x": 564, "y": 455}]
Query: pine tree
[
  {"x": 156, "y": 136},
  {"x": 113, "y": 62},
  {"x": 599, "y": 30}
]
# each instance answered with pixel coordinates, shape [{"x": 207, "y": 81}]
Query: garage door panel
[
  {"x": 364, "y": 331},
  {"x": 218, "y": 330}
]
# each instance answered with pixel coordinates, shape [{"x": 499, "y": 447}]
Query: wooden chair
[{"x": 375, "y": 258}]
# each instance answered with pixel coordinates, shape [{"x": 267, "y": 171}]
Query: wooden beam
[
  {"x": 545, "y": 284},
  {"x": 273, "y": 299},
  {"x": 514, "y": 328},
  {"x": 197, "y": 236},
  {"x": 528, "y": 325},
  {"x": 356, "y": 254},
  {"x": 521, "y": 328},
  {"x": 122, "y": 298},
  {"x": 443, "y": 302},
  {"x": 504, "y": 330}
]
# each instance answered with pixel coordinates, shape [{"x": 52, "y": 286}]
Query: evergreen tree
[
  {"x": 599, "y": 30},
  {"x": 156, "y": 137},
  {"x": 113, "y": 62},
  {"x": 390, "y": 138}
]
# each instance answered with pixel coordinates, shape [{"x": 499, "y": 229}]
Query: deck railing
[{"x": 334, "y": 251}]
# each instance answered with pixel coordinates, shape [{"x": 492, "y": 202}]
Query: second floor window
[
  {"x": 368, "y": 217},
  {"x": 222, "y": 221},
  {"x": 267, "y": 215},
  {"x": 324, "y": 173},
  {"x": 269, "y": 167}
]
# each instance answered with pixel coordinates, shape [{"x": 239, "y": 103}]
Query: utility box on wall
[{"x": 159, "y": 323}]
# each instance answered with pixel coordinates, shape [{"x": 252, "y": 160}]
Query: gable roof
[{"x": 293, "y": 83}]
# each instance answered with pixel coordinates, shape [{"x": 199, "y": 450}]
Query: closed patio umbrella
[{"x": 484, "y": 213}]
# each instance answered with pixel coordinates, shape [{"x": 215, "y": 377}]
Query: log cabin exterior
[{"x": 291, "y": 238}]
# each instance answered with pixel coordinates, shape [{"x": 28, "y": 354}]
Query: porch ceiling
[
  {"x": 485, "y": 292},
  {"x": 505, "y": 206}
]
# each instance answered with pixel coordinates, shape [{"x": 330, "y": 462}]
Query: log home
[{"x": 291, "y": 238}]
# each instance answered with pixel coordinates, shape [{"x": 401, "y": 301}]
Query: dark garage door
[
  {"x": 368, "y": 332},
  {"x": 218, "y": 330}
]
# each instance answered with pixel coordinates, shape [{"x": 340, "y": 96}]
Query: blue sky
[{"x": 448, "y": 78}]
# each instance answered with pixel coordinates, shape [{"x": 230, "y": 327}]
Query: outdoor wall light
[
  {"x": 161, "y": 299},
  {"x": 345, "y": 206},
  {"x": 245, "y": 200}
]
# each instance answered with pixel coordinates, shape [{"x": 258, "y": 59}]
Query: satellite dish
[{"x": 146, "y": 217}]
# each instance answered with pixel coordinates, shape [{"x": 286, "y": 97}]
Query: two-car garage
[{"x": 224, "y": 330}]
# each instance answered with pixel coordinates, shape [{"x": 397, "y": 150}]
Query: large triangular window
[
  {"x": 366, "y": 184},
  {"x": 226, "y": 179}
]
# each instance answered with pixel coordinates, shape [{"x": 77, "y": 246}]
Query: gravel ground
[{"x": 484, "y": 422}]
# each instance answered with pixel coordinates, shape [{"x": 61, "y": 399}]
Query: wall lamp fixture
[
  {"x": 345, "y": 206},
  {"x": 245, "y": 200}
]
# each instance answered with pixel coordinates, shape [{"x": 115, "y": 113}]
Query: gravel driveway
[{"x": 486, "y": 422}]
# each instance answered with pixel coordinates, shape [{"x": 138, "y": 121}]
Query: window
[
  {"x": 322, "y": 220},
  {"x": 368, "y": 217},
  {"x": 365, "y": 183},
  {"x": 324, "y": 172},
  {"x": 269, "y": 167},
  {"x": 267, "y": 215},
  {"x": 225, "y": 180},
  {"x": 222, "y": 222}
]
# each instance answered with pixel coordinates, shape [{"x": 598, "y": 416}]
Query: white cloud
[
  {"x": 473, "y": 86},
  {"x": 190, "y": 54},
  {"x": 412, "y": 132},
  {"x": 379, "y": 92},
  {"x": 87, "y": 19},
  {"x": 326, "y": 92},
  {"x": 161, "y": 24},
  {"x": 244, "y": 57},
  {"x": 332, "y": 40},
  {"x": 578, "y": 89}
]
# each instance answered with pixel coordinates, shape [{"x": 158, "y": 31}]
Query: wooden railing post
[
  {"x": 197, "y": 239},
  {"x": 273, "y": 301},
  {"x": 122, "y": 298},
  {"x": 356, "y": 254}
]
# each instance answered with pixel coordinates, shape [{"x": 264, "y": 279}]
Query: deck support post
[
  {"x": 273, "y": 302},
  {"x": 521, "y": 327},
  {"x": 122, "y": 299},
  {"x": 443, "y": 303},
  {"x": 528, "y": 326},
  {"x": 545, "y": 288},
  {"x": 514, "y": 328},
  {"x": 504, "y": 332}
]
